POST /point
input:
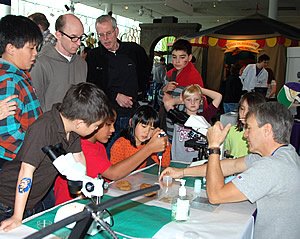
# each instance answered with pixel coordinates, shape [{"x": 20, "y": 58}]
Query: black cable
[
  {"x": 111, "y": 217},
  {"x": 104, "y": 225},
  {"x": 90, "y": 208}
]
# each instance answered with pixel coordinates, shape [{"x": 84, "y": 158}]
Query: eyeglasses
[
  {"x": 74, "y": 39},
  {"x": 107, "y": 34}
]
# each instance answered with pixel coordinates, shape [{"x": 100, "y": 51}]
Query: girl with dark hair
[
  {"x": 235, "y": 144},
  {"x": 141, "y": 139}
]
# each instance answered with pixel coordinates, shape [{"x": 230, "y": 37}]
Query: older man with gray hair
[
  {"x": 120, "y": 69},
  {"x": 270, "y": 176}
]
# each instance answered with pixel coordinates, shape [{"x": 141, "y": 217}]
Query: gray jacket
[{"x": 52, "y": 75}]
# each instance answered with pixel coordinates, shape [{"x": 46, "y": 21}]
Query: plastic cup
[
  {"x": 167, "y": 180},
  {"x": 43, "y": 223}
]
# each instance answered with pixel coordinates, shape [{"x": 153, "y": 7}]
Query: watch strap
[{"x": 215, "y": 150}]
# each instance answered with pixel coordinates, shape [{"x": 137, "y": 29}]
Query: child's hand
[
  {"x": 8, "y": 107},
  {"x": 157, "y": 144},
  {"x": 10, "y": 223}
]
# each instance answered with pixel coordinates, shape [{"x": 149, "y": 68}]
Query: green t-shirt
[{"x": 235, "y": 143}]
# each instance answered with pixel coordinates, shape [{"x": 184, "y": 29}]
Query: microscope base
[
  {"x": 75, "y": 207},
  {"x": 96, "y": 227}
]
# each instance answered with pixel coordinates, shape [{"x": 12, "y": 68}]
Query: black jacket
[{"x": 126, "y": 71}]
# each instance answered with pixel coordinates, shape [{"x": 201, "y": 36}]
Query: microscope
[
  {"x": 197, "y": 135},
  {"x": 78, "y": 182},
  {"x": 198, "y": 140}
]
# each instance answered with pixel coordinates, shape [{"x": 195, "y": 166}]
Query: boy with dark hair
[
  {"x": 19, "y": 37},
  {"x": 182, "y": 75},
  {"x": 83, "y": 110},
  {"x": 182, "y": 45}
]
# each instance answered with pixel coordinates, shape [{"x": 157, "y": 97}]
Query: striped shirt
[{"x": 14, "y": 81}]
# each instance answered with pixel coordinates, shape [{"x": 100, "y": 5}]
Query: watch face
[{"x": 214, "y": 151}]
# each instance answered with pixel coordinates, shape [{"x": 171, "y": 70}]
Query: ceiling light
[
  {"x": 126, "y": 7},
  {"x": 214, "y": 4}
]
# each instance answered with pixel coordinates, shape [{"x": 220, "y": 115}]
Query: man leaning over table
[{"x": 269, "y": 176}]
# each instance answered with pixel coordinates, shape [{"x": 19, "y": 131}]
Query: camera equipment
[
  {"x": 75, "y": 172},
  {"x": 78, "y": 181},
  {"x": 178, "y": 116},
  {"x": 197, "y": 142},
  {"x": 197, "y": 135}
]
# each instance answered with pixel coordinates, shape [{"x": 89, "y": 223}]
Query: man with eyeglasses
[
  {"x": 120, "y": 69},
  {"x": 58, "y": 67}
]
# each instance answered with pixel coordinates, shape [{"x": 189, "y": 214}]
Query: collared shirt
[
  {"x": 250, "y": 80},
  {"x": 14, "y": 81}
]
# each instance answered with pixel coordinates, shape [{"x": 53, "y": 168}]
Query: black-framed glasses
[{"x": 75, "y": 39}]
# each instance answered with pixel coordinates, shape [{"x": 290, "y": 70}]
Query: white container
[{"x": 181, "y": 205}]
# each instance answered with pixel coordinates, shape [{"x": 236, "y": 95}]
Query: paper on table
[{"x": 198, "y": 163}]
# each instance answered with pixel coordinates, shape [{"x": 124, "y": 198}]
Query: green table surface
[{"x": 131, "y": 218}]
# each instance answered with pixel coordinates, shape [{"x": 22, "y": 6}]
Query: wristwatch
[{"x": 214, "y": 151}]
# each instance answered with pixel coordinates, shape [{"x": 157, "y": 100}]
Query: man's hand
[
  {"x": 170, "y": 86},
  {"x": 10, "y": 224},
  {"x": 8, "y": 107},
  {"x": 124, "y": 100},
  {"x": 170, "y": 102},
  {"x": 173, "y": 172},
  {"x": 216, "y": 134}
]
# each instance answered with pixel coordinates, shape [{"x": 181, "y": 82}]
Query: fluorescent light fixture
[{"x": 180, "y": 5}]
